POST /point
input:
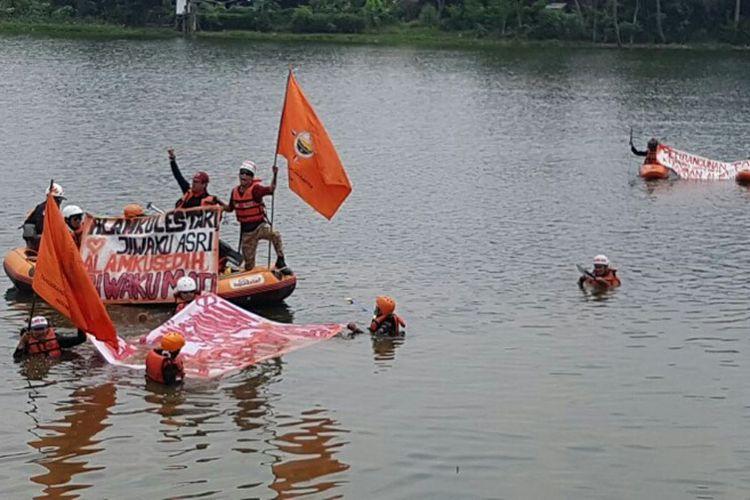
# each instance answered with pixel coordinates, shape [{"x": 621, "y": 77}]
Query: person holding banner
[
  {"x": 184, "y": 293},
  {"x": 194, "y": 194},
  {"x": 34, "y": 223},
  {"x": 164, "y": 365},
  {"x": 246, "y": 200},
  {"x": 385, "y": 322},
  {"x": 42, "y": 340},
  {"x": 650, "y": 153}
]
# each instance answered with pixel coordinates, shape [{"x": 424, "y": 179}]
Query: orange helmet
[
  {"x": 172, "y": 341},
  {"x": 133, "y": 210},
  {"x": 385, "y": 305}
]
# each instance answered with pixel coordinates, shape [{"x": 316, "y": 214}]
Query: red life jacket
[
  {"x": 650, "y": 158},
  {"x": 611, "y": 279},
  {"x": 247, "y": 209},
  {"x": 46, "y": 345},
  {"x": 397, "y": 322},
  {"x": 206, "y": 201},
  {"x": 155, "y": 363},
  {"x": 76, "y": 234}
]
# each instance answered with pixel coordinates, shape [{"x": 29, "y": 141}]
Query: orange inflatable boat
[
  {"x": 653, "y": 171},
  {"x": 743, "y": 177},
  {"x": 259, "y": 286}
]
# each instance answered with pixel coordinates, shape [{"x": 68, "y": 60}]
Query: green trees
[{"x": 611, "y": 21}]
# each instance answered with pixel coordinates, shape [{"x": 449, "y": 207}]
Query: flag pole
[
  {"x": 33, "y": 293},
  {"x": 275, "y": 158}
]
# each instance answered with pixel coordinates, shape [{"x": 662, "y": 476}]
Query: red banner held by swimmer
[
  {"x": 139, "y": 260},
  {"x": 690, "y": 166},
  {"x": 221, "y": 338}
]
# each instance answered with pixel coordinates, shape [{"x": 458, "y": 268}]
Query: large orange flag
[
  {"x": 315, "y": 171},
  {"x": 61, "y": 279}
]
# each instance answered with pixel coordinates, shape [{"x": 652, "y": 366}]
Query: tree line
[{"x": 608, "y": 21}]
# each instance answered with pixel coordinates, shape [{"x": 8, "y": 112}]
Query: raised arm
[{"x": 184, "y": 184}]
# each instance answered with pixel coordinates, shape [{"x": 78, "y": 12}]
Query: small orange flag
[
  {"x": 315, "y": 171},
  {"x": 61, "y": 279}
]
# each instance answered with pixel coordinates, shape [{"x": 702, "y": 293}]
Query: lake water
[{"x": 480, "y": 180}]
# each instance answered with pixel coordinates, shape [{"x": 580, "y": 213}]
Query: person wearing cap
[
  {"x": 194, "y": 194},
  {"x": 385, "y": 322},
  {"x": 184, "y": 293},
  {"x": 133, "y": 211},
  {"x": 40, "y": 339},
  {"x": 34, "y": 223},
  {"x": 650, "y": 153},
  {"x": 246, "y": 200},
  {"x": 73, "y": 216},
  {"x": 164, "y": 364},
  {"x": 602, "y": 277}
]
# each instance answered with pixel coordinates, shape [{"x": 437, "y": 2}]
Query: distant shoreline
[{"x": 418, "y": 37}]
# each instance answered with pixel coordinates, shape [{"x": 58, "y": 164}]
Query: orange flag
[
  {"x": 315, "y": 171},
  {"x": 61, "y": 279}
]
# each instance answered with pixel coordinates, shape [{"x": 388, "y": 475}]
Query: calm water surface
[{"x": 480, "y": 179}]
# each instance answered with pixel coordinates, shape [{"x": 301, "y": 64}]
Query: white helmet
[
  {"x": 601, "y": 260},
  {"x": 39, "y": 323},
  {"x": 185, "y": 284},
  {"x": 249, "y": 165},
  {"x": 56, "y": 190},
  {"x": 71, "y": 211}
]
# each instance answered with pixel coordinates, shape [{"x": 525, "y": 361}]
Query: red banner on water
[
  {"x": 220, "y": 338},
  {"x": 690, "y": 166}
]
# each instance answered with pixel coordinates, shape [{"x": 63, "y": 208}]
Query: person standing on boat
[
  {"x": 73, "y": 216},
  {"x": 42, "y": 340},
  {"x": 603, "y": 276},
  {"x": 650, "y": 153},
  {"x": 194, "y": 194},
  {"x": 34, "y": 223},
  {"x": 246, "y": 200}
]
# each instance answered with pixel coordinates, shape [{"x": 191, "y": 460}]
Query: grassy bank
[
  {"x": 392, "y": 36},
  {"x": 82, "y": 30}
]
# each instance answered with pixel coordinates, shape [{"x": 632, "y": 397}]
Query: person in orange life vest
[
  {"x": 603, "y": 275},
  {"x": 385, "y": 322},
  {"x": 34, "y": 223},
  {"x": 195, "y": 194},
  {"x": 246, "y": 200},
  {"x": 163, "y": 365},
  {"x": 184, "y": 293},
  {"x": 42, "y": 340},
  {"x": 73, "y": 216},
  {"x": 133, "y": 210},
  {"x": 650, "y": 153}
]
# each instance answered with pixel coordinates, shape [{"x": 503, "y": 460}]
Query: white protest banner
[{"x": 139, "y": 260}]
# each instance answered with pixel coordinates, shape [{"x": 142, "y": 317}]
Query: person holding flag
[
  {"x": 61, "y": 279},
  {"x": 246, "y": 200},
  {"x": 42, "y": 340}
]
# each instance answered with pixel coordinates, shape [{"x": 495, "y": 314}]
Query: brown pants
[{"x": 250, "y": 243}]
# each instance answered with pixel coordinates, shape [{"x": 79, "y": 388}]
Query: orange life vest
[
  {"x": 155, "y": 363},
  {"x": 397, "y": 322},
  {"x": 206, "y": 201},
  {"x": 610, "y": 278},
  {"x": 247, "y": 209},
  {"x": 46, "y": 345},
  {"x": 650, "y": 157}
]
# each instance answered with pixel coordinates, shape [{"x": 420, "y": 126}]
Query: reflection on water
[
  {"x": 64, "y": 443},
  {"x": 307, "y": 455},
  {"x": 384, "y": 349}
]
